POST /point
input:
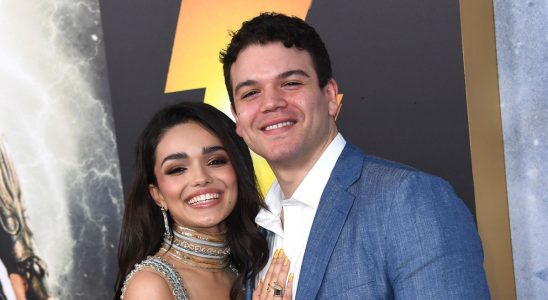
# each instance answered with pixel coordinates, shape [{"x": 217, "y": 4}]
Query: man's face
[{"x": 280, "y": 110}]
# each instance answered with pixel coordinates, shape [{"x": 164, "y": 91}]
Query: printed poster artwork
[
  {"x": 521, "y": 29},
  {"x": 60, "y": 191}
]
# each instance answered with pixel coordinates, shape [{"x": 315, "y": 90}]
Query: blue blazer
[{"x": 387, "y": 231}]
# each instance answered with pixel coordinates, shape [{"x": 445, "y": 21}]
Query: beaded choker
[{"x": 198, "y": 249}]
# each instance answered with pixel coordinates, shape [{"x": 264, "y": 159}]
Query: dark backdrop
[{"x": 398, "y": 64}]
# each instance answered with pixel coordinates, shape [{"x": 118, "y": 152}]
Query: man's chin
[{"x": 279, "y": 155}]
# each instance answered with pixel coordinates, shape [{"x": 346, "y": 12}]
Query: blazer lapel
[{"x": 333, "y": 209}]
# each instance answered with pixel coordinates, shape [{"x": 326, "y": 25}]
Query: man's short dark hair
[{"x": 274, "y": 27}]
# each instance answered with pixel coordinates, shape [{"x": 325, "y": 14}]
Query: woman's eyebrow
[
  {"x": 179, "y": 155},
  {"x": 183, "y": 155},
  {"x": 208, "y": 150}
]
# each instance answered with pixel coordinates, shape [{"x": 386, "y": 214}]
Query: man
[{"x": 352, "y": 225}]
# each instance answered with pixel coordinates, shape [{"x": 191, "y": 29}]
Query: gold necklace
[{"x": 203, "y": 250}]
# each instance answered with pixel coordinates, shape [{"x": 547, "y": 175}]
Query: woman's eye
[
  {"x": 217, "y": 161},
  {"x": 175, "y": 171}
]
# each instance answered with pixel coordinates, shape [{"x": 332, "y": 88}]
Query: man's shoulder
[
  {"x": 381, "y": 172},
  {"x": 372, "y": 164},
  {"x": 386, "y": 188}
]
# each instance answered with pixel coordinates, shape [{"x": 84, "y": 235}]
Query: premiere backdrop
[
  {"x": 398, "y": 65},
  {"x": 65, "y": 118}
]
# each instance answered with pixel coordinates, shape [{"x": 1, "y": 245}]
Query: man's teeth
[
  {"x": 279, "y": 125},
  {"x": 203, "y": 198}
]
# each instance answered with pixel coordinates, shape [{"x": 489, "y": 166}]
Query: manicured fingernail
[
  {"x": 286, "y": 261},
  {"x": 281, "y": 253},
  {"x": 290, "y": 277},
  {"x": 276, "y": 253}
]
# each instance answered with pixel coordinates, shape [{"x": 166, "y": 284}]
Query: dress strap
[{"x": 165, "y": 269}]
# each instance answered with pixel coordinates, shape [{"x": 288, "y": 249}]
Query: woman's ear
[{"x": 157, "y": 196}]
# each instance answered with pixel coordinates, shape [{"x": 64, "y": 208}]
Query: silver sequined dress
[{"x": 167, "y": 271}]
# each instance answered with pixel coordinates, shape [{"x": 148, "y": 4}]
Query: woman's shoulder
[
  {"x": 153, "y": 278},
  {"x": 146, "y": 284}
]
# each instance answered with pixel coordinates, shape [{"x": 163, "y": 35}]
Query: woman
[{"x": 188, "y": 229}]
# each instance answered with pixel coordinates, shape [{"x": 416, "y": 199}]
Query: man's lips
[
  {"x": 203, "y": 198},
  {"x": 278, "y": 125}
]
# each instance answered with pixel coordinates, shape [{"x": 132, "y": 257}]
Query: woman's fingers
[
  {"x": 258, "y": 290},
  {"x": 281, "y": 279},
  {"x": 275, "y": 265},
  {"x": 278, "y": 283},
  {"x": 288, "y": 293},
  {"x": 263, "y": 289}
]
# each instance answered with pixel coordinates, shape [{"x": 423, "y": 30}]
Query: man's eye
[
  {"x": 249, "y": 94},
  {"x": 292, "y": 83},
  {"x": 175, "y": 171}
]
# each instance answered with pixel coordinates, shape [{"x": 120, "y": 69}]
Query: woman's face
[{"x": 197, "y": 184}]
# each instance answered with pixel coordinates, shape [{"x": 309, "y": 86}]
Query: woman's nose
[{"x": 201, "y": 177}]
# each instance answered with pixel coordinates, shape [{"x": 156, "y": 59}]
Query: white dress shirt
[{"x": 299, "y": 210}]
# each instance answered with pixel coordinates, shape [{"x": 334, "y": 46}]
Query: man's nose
[{"x": 273, "y": 100}]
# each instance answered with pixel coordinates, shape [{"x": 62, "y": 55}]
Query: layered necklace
[{"x": 203, "y": 250}]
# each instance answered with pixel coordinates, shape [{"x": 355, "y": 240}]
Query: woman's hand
[{"x": 274, "y": 284}]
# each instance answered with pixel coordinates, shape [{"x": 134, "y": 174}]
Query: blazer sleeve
[{"x": 433, "y": 250}]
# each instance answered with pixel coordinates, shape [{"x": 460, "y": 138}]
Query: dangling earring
[{"x": 167, "y": 233}]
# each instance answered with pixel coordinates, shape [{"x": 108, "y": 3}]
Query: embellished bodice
[
  {"x": 166, "y": 270},
  {"x": 195, "y": 249}
]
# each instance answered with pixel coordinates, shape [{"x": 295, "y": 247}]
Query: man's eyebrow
[
  {"x": 293, "y": 72},
  {"x": 281, "y": 75},
  {"x": 208, "y": 150},
  {"x": 244, "y": 84},
  {"x": 174, "y": 156}
]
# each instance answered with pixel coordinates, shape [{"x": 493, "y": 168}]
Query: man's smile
[{"x": 278, "y": 125}]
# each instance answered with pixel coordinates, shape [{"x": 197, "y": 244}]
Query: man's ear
[
  {"x": 157, "y": 196},
  {"x": 331, "y": 90},
  {"x": 235, "y": 115}
]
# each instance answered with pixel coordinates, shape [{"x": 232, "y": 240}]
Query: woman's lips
[{"x": 199, "y": 199}]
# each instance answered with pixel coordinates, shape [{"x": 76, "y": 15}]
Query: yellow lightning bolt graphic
[{"x": 202, "y": 32}]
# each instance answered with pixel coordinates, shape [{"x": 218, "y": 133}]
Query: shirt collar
[
  {"x": 309, "y": 190},
  {"x": 270, "y": 219}
]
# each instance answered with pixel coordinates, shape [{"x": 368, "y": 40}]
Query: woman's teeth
[{"x": 203, "y": 198}]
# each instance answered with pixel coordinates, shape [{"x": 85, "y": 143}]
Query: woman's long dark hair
[{"x": 142, "y": 226}]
